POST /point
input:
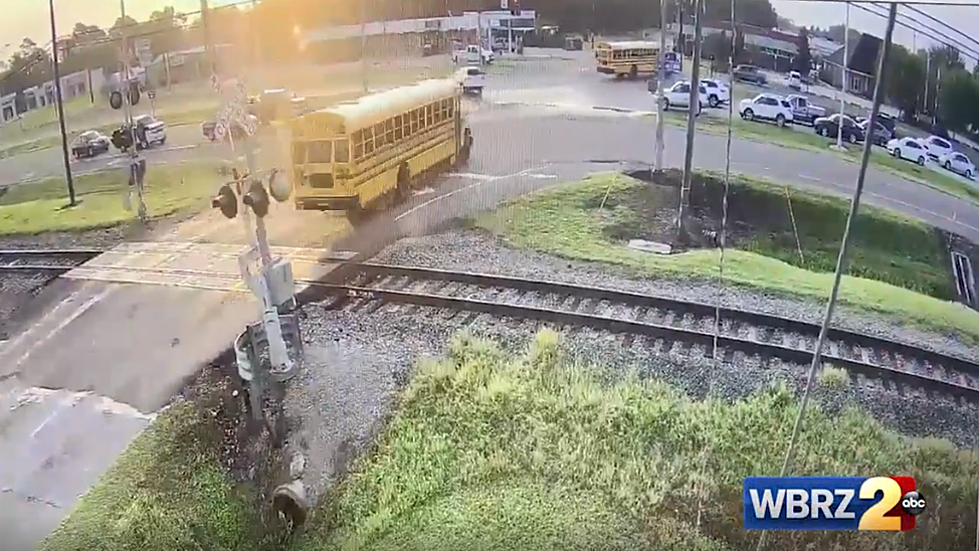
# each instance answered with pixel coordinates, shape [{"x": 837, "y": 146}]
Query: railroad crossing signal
[{"x": 256, "y": 196}]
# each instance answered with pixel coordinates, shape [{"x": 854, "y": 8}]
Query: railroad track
[
  {"x": 47, "y": 262},
  {"x": 666, "y": 322}
]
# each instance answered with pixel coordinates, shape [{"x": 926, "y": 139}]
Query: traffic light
[
  {"x": 257, "y": 198},
  {"x": 279, "y": 188},
  {"x": 226, "y": 201}
]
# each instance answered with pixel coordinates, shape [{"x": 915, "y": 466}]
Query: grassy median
[
  {"x": 479, "y": 457},
  {"x": 42, "y": 206},
  {"x": 897, "y": 265}
]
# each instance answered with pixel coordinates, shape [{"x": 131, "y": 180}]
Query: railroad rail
[
  {"x": 672, "y": 321},
  {"x": 51, "y": 262}
]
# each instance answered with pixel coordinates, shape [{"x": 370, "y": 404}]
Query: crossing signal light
[
  {"x": 226, "y": 201},
  {"x": 257, "y": 198},
  {"x": 279, "y": 188}
]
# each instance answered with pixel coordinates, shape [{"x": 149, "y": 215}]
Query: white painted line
[
  {"x": 804, "y": 177},
  {"x": 62, "y": 324},
  {"x": 471, "y": 176},
  {"x": 426, "y": 191}
]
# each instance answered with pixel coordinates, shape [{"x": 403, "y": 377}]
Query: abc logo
[{"x": 913, "y": 503}]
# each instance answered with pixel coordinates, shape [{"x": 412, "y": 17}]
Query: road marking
[
  {"x": 86, "y": 306},
  {"x": 804, "y": 177},
  {"x": 471, "y": 176},
  {"x": 479, "y": 182}
]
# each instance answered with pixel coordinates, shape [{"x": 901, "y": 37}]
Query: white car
[
  {"x": 768, "y": 107},
  {"x": 472, "y": 80},
  {"x": 958, "y": 163},
  {"x": 678, "y": 95},
  {"x": 935, "y": 146},
  {"x": 717, "y": 92},
  {"x": 908, "y": 149}
]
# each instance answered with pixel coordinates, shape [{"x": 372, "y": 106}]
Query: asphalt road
[{"x": 64, "y": 440}]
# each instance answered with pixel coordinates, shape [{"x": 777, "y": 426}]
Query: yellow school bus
[
  {"x": 364, "y": 155},
  {"x": 626, "y": 58}
]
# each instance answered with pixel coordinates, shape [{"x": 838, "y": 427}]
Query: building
[
  {"x": 767, "y": 48},
  {"x": 343, "y": 43},
  {"x": 83, "y": 84},
  {"x": 861, "y": 67}
]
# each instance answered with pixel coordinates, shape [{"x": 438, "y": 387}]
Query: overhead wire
[{"x": 929, "y": 31}]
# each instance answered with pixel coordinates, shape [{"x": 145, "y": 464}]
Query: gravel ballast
[{"x": 476, "y": 252}]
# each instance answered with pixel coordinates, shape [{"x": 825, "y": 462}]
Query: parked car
[
  {"x": 750, "y": 73},
  {"x": 678, "y": 95},
  {"x": 718, "y": 93},
  {"x": 804, "y": 111},
  {"x": 472, "y": 80},
  {"x": 237, "y": 131},
  {"x": 958, "y": 163},
  {"x": 148, "y": 131},
  {"x": 908, "y": 149},
  {"x": 794, "y": 80},
  {"x": 769, "y": 107},
  {"x": 936, "y": 147},
  {"x": 880, "y": 135},
  {"x": 90, "y": 144},
  {"x": 830, "y": 127},
  {"x": 888, "y": 122}
]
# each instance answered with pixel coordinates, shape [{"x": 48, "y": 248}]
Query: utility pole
[
  {"x": 660, "y": 145},
  {"x": 846, "y": 61},
  {"x": 127, "y": 99},
  {"x": 61, "y": 108},
  {"x": 694, "y": 111}
]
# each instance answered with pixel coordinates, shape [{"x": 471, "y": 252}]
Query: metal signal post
[{"x": 137, "y": 167}]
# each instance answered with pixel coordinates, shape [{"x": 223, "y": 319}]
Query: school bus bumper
[
  {"x": 333, "y": 202},
  {"x": 605, "y": 70}
]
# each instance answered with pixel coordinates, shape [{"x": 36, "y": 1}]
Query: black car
[
  {"x": 750, "y": 73},
  {"x": 830, "y": 127},
  {"x": 89, "y": 144}
]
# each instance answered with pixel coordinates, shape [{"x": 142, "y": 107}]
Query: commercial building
[
  {"x": 861, "y": 65},
  {"x": 343, "y": 43},
  {"x": 82, "y": 84},
  {"x": 767, "y": 48}
]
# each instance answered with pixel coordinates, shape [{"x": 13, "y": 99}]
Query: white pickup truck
[
  {"x": 471, "y": 54},
  {"x": 803, "y": 111}
]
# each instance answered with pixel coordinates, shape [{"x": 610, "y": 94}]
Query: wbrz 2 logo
[{"x": 831, "y": 503}]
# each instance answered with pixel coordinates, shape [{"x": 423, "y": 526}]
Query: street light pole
[
  {"x": 660, "y": 145},
  {"x": 61, "y": 108}
]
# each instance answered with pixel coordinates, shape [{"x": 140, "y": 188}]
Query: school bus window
[
  {"x": 341, "y": 151},
  {"x": 429, "y": 115},
  {"x": 379, "y": 135},
  {"x": 389, "y": 131},
  {"x": 358, "y": 138},
  {"x": 452, "y": 109},
  {"x": 413, "y": 117},
  {"x": 398, "y": 127},
  {"x": 368, "y": 141},
  {"x": 320, "y": 151},
  {"x": 298, "y": 153}
]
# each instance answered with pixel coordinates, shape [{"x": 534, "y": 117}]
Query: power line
[
  {"x": 930, "y": 33},
  {"x": 936, "y": 20}
]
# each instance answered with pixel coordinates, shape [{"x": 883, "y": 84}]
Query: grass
[
  {"x": 41, "y": 206},
  {"x": 167, "y": 491},
  {"x": 895, "y": 262},
  {"x": 529, "y": 451}
]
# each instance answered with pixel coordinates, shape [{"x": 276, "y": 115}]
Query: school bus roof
[
  {"x": 630, "y": 45},
  {"x": 374, "y": 108}
]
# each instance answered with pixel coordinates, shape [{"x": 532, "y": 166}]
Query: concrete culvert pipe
[{"x": 289, "y": 503}]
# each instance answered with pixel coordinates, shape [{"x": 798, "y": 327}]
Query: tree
[
  {"x": 958, "y": 100},
  {"x": 905, "y": 81},
  {"x": 803, "y": 59}
]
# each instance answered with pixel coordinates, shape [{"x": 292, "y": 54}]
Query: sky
[{"x": 30, "y": 18}]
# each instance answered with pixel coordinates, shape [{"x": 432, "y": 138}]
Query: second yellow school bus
[
  {"x": 365, "y": 155},
  {"x": 627, "y": 58}
]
